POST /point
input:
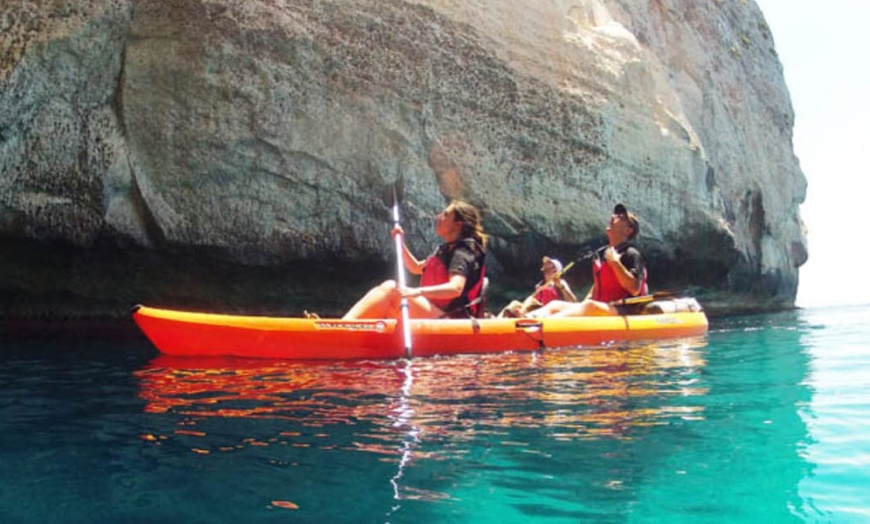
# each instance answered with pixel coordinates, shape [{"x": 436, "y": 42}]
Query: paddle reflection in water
[{"x": 424, "y": 409}]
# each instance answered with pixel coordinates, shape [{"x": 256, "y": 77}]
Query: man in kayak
[
  {"x": 618, "y": 272},
  {"x": 452, "y": 277},
  {"x": 551, "y": 288}
]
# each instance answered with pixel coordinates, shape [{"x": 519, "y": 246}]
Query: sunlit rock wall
[{"x": 236, "y": 154}]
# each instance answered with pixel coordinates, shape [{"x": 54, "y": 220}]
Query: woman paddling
[{"x": 452, "y": 277}]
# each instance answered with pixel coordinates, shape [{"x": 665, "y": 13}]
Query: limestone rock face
[{"x": 203, "y": 151}]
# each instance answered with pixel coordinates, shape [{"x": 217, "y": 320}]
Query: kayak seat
[
  {"x": 675, "y": 305},
  {"x": 484, "y": 302}
]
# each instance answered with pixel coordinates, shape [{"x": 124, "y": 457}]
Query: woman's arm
[
  {"x": 414, "y": 266},
  {"x": 564, "y": 290},
  {"x": 450, "y": 289}
]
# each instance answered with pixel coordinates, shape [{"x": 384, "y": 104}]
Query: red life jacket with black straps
[
  {"x": 607, "y": 286},
  {"x": 436, "y": 271},
  {"x": 547, "y": 294}
]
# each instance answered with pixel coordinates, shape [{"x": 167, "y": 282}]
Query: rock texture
[{"x": 234, "y": 155}]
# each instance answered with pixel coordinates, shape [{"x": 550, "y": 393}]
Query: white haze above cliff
[{"x": 822, "y": 52}]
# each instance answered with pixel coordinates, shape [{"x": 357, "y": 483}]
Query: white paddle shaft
[{"x": 400, "y": 281}]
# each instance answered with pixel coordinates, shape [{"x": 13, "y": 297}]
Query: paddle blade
[{"x": 394, "y": 193}]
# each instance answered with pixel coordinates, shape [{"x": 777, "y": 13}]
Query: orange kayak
[{"x": 184, "y": 333}]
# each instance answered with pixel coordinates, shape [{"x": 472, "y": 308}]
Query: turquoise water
[{"x": 767, "y": 419}]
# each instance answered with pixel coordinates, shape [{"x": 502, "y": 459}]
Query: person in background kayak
[
  {"x": 551, "y": 288},
  {"x": 452, "y": 278},
  {"x": 618, "y": 272}
]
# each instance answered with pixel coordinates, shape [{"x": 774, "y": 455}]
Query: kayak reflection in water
[
  {"x": 620, "y": 275},
  {"x": 451, "y": 278}
]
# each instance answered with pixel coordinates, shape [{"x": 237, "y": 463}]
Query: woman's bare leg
[
  {"x": 514, "y": 309},
  {"x": 377, "y": 303},
  {"x": 550, "y": 309},
  {"x": 384, "y": 301},
  {"x": 587, "y": 308}
]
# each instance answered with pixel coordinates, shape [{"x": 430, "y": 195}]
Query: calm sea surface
[{"x": 767, "y": 419}]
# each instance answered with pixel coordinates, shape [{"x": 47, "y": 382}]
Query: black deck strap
[
  {"x": 466, "y": 308},
  {"x": 642, "y": 299}
]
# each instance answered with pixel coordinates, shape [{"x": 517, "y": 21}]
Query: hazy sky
[{"x": 824, "y": 48}]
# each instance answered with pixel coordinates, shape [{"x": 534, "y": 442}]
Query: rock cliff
[{"x": 234, "y": 155}]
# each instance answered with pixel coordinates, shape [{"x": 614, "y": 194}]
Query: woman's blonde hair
[{"x": 472, "y": 225}]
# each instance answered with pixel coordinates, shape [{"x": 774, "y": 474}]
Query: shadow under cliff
[
  {"x": 47, "y": 280},
  {"x": 44, "y": 280}
]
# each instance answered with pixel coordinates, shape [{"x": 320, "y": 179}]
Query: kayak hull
[{"x": 185, "y": 333}]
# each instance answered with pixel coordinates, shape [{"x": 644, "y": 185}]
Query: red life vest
[
  {"x": 436, "y": 272},
  {"x": 547, "y": 294},
  {"x": 607, "y": 286}
]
